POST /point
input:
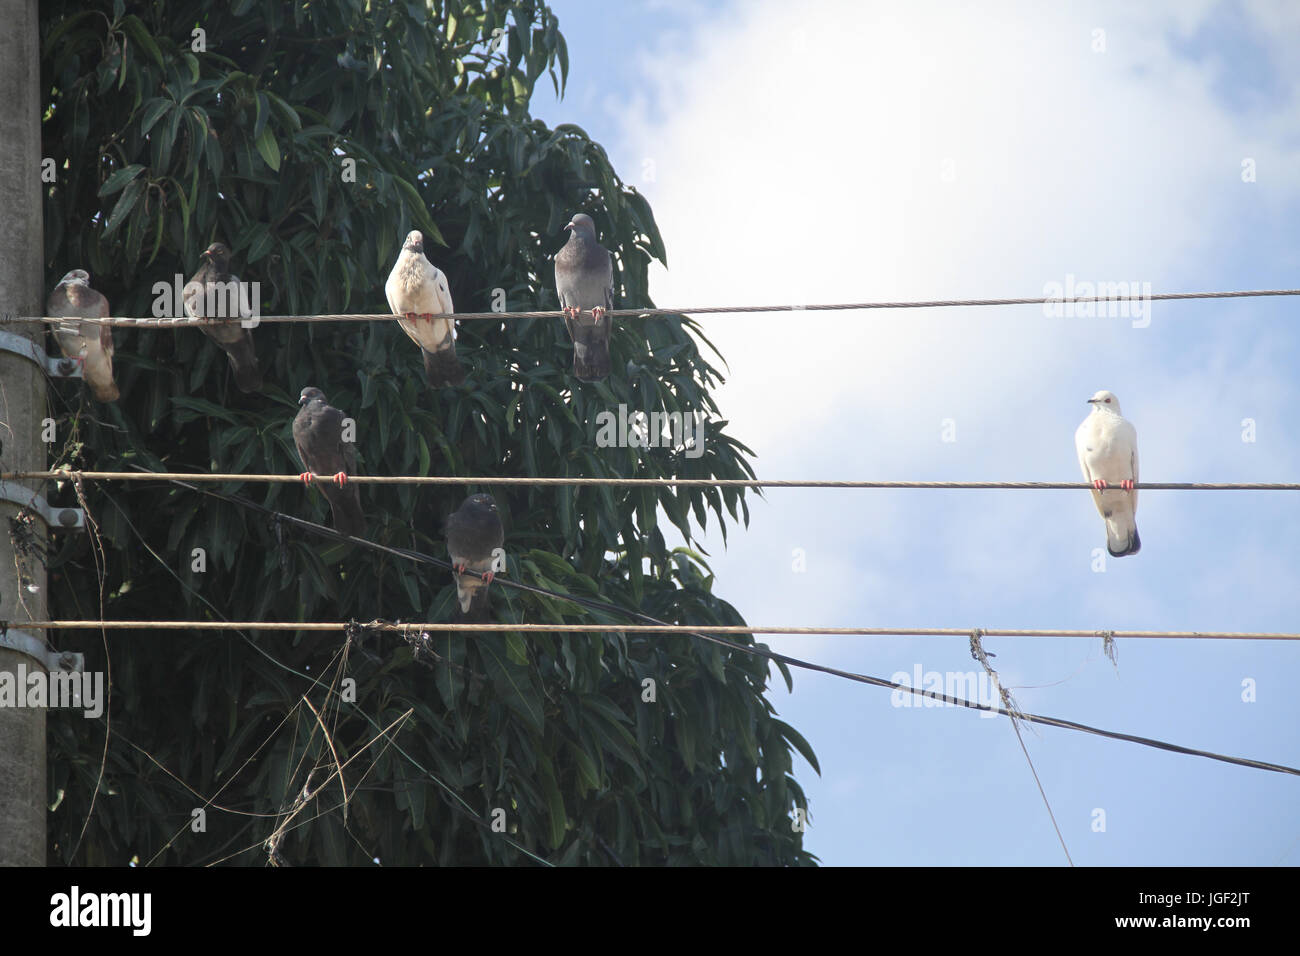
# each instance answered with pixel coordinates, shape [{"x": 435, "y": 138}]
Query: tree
[{"x": 310, "y": 138}]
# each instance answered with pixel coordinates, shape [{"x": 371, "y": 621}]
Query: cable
[
  {"x": 177, "y": 321},
  {"x": 643, "y": 482},
  {"x": 696, "y": 629},
  {"x": 752, "y": 650}
]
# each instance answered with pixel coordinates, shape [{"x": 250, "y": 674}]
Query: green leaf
[
  {"x": 119, "y": 179},
  {"x": 136, "y": 30},
  {"x": 268, "y": 148},
  {"x": 123, "y": 206}
]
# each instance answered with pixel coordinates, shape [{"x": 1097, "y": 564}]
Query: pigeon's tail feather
[
  {"x": 443, "y": 368},
  {"x": 243, "y": 361},
  {"x": 591, "y": 361},
  {"x": 348, "y": 517},
  {"x": 472, "y": 593},
  {"x": 1122, "y": 539},
  {"x": 105, "y": 391}
]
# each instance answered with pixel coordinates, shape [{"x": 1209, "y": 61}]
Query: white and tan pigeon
[
  {"x": 87, "y": 343},
  {"x": 1107, "y": 447},
  {"x": 418, "y": 291}
]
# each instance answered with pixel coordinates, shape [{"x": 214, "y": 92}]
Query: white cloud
[{"x": 800, "y": 156}]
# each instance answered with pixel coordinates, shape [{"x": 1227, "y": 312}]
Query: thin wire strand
[
  {"x": 642, "y": 482},
  {"x": 740, "y": 629},
  {"x": 179, "y": 321}
]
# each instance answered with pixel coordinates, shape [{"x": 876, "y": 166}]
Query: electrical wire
[
  {"x": 180, "y": 321},
  {"x": 67, "y": 475}
]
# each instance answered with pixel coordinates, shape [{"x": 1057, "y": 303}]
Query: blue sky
[{"x": 829, "y": 152}]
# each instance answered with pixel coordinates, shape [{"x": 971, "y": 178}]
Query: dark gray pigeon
[
  {"x": 474, "y": 532},
  {"x": 584, "y": 281},
  {"x": 213, "y": 293},
  {"x": 87, "y": 343},
  {"x": 318, "y": 435},
  {"x": 418, "y": 291}
]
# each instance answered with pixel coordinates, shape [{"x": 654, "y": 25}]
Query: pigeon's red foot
[
  {"x": 460, "y": 568},
  {"x": 341, "y": 478},
  {"x": 1100, "y": 484},
  {"x": 411, "y": 316},
  {"x": 306, "y": 477},
  {"x": 427, "y": 316},
  {"x": 597, "y": 313},
  {"x": 572, "y": 313},
  {"x": 488, "y": 576},
  {"x": 1127, "y": 484}
]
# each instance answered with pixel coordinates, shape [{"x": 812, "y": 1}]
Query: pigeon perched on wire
[
  {"x": 418, "y": 291},
  {"x": 584, "y": 281},
  {"x": 318, "y": 436},
  {"x": 89, "y": 344},
  {"x": 1107, "y": 447},
  {"x": 213, "y": 293},
  {"x": 474, "y": 539}
]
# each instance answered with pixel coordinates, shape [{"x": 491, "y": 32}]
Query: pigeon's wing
[
  {"x": 391, "y": 289},
  {"x": 1134, "y": 466},
  {"x": 1085, "y": 439}
]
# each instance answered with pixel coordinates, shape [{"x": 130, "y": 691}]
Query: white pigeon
[
  {"x": 1108, "y": 454},
  {"x": 418, "y": 290}
]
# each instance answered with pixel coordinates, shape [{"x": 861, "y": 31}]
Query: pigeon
[
  {"x": 473, "y": 533},
  {"x": 1107, "y": 447},
  {"x": 318, "y": 435},
  {"x": 418, "y": 290},
  {"x": 89, "y": 344},
  {"x": 584, "y": 281},
  {"x": 213, "y": 289}
]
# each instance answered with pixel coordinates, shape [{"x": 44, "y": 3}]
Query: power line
[
  {"x": 697, "y": 629},
  {"x": 750, "y": 649},
  {"x": 642, "y": 482},
  {"x": 182, "y": 321}
]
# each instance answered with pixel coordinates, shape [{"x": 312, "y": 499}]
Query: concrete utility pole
[{"x": 22, "y": 407}]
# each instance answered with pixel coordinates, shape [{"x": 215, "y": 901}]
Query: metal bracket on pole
[
  {"x": 24, "y": 643},
  {"x": 55, "y": 368},
  {"x": 57, "y": 519}
]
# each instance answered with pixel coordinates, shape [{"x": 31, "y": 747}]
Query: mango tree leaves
[{"x": 311, "y": 138}]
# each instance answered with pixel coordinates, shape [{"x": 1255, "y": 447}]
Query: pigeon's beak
[
  {"x": 570, "y": 225},
  {"x": 1092, "y": 401}
]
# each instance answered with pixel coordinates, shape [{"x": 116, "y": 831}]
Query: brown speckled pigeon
[{"x": 214, "y": 293}]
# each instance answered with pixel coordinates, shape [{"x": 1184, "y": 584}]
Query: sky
[{"x": 817, "y": 152}]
